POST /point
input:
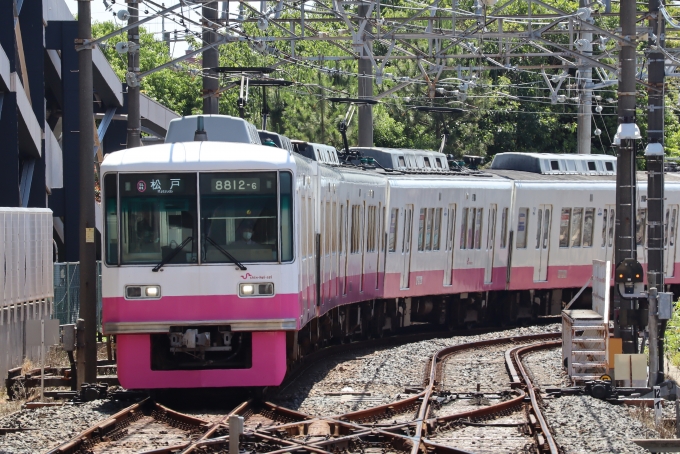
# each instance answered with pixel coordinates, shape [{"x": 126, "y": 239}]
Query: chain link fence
[{"x": 67, "y": 294}]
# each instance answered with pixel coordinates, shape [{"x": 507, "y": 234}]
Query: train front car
[{"x": 199, "y": 282}]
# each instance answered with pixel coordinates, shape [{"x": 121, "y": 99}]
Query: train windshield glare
[{"x": 239, "y": 212}]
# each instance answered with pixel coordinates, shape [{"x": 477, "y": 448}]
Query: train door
[
  {"x": 490, "y": 244},
  {"x": 406, "y": 246},
  {"x": 669, "y": 239},
  {"x": 450, "y": 236},
  {"x": 543, "y": 242},
  {"x": 608, "y": 222}
]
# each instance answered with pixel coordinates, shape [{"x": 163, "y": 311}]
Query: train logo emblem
[
  {"x": 251, "y": 277},
  {"x": 141, "y": 186}
]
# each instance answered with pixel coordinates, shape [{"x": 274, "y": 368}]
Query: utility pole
[
  {"x": 654, "y": 154},
  {"x": 585, "y": 106},
  {"x": 626, "y": 324},
  {"x": 87, "y": 345},
  {"x": 365, "y": 87},
  {"x": 211, "y": 83},
  {"x": 134, "y": 123}
]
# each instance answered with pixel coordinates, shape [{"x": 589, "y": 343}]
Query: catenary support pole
[
  {"x": 584, "y": 118},
  {"x": 626, "y": 326},
  {"x": 134, "y": 123},
  {"x": 211, "y": 83},
  {"x": 365, "y": 89},
  {"x": 654, "y": 154},
  {"x": 87, "y": 353}
]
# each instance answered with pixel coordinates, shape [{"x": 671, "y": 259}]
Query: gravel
[
  {"x": 52, "y": 426},
  {"x": 367, "y": 378},
  {"x": 545, "y": 369}
]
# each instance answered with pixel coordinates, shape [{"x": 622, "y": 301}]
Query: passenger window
[
  {"x": 463, "y": 228},
  {"x": 334, "y": 214},
  {"x": 609, "y": 166},
  {"x": 588, "y": 226},
  {"x": 111, "y": 204},
  {"x": 522, "y": 217},
  {"x": 471, "y": 229},
  {"x": 356, "y": 229},
  {"x": 612, "y": 218},
  {"x": 555, "y": 165},
  {"x": 327, "y": 230},
  {"x": 673, "y": 218},
  {"x": 491, "y": 229},
  {"x": 421, "y": 229},
  {"x": 665, "y": 228},
  {"x": 342, "y": 229},
  {"x": 426, "y": 161},
  {"x": 591, "y": 165},
  {"x": 546, "y": 228},
  {"x": 640, "y": 224},
  {"x": 428, "y": 229},
  {"x": 394, "y": 221},
  {"x": 538, "y": 229},
  {"x": 310, "y": 228},
  {"x": 604, "y": 228},
  {"x": 402, "y": 162},
  {"x": 478, "y": 228},
  {"x": 504, "y": 227},
  {"x": 576, "y": 227},
  {"x": 370, "y": 242},
  {"x": 565, "y": 220},
  {"x": 436, "y": 229}
]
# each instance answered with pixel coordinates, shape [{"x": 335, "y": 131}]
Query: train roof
[
  {"x": 198, "y": 156},
  {"x": 406, "y": 158},
  {"x": 219, "y": 128},
  {"x": 319, "y": 152},
  {"x": 556, "y": 164}
]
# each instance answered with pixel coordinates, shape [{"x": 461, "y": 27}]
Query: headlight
[
  {"x": 142, "y": 291},
  {"x": 265, "y": 289}
]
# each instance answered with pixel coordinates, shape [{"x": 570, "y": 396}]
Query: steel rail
[{"x": 516, "y": 355}]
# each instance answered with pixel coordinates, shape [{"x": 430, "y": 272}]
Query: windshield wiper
[
  {"x": 172, "y": 254},
  {"x": 223, "y": 251}
]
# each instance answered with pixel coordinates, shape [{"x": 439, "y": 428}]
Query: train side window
[
  {"x": 522, "y": 225},
  {"x": 426, "y": 161},
  {"x": 342, "y": 228},
  {"x": 394, "y": 221},
  {"x": 438, "y": 162},
  {"x": 428, "y": 229},
  {"x": 382, "y": 244},
  {"x": 491, "y": 228},
  {"x": 640, "y": 224},
  {"x": 576, "y": 227},
  {"x": 463, "y": 228},
  {"x": 555, "y": 165},
  {"x": 436, "y": 229},
  {"x": 609, "y": 166},
  {"x": 356, "y": 229},
  {"x": 538, "y": 227},
  {"x": 402, "y": 161},
  {"x": 592, "y": 166},
  {"x": 421, "y": 229},
  {"x": 328, "y": 234},
  {"x": 111, "y": 205},
  {"x": 588, "y": 227},
  {"x": 471, "y": 229},
  {"x": 665, "y": 227},
  {"x": 565, "y": 221},
  {"x": 612, "y": 218},
  {"x": 672, "y": 229},
  {"x": 478, "y": 228},
  {"x": 334, "y": 240},
  {"x": 286, "y": 188},
  {"x": 370, "y": 240},
  {"x": 310, "y": 227},
  {"x": 504, "y": 227},
  {"x": 604, "y": 228},
  {"x": 546, "y": 228},
  {"x": 303, "y": 227}
]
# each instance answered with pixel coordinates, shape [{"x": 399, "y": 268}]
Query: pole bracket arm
[{"x": 84, "y": 44}]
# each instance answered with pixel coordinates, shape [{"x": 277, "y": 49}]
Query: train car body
[{"x": 226, "y": 261}]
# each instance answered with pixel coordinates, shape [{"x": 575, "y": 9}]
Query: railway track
[{"x": 507, "y": 405}]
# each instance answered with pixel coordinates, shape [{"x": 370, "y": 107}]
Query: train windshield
[
  {"x": 239, "y": 215},
  {"x": 158, "y": 215},
  {"x": 245, "y": 215}
]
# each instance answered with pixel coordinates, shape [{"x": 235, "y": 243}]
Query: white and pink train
[{"x": 225, "y": 260}]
